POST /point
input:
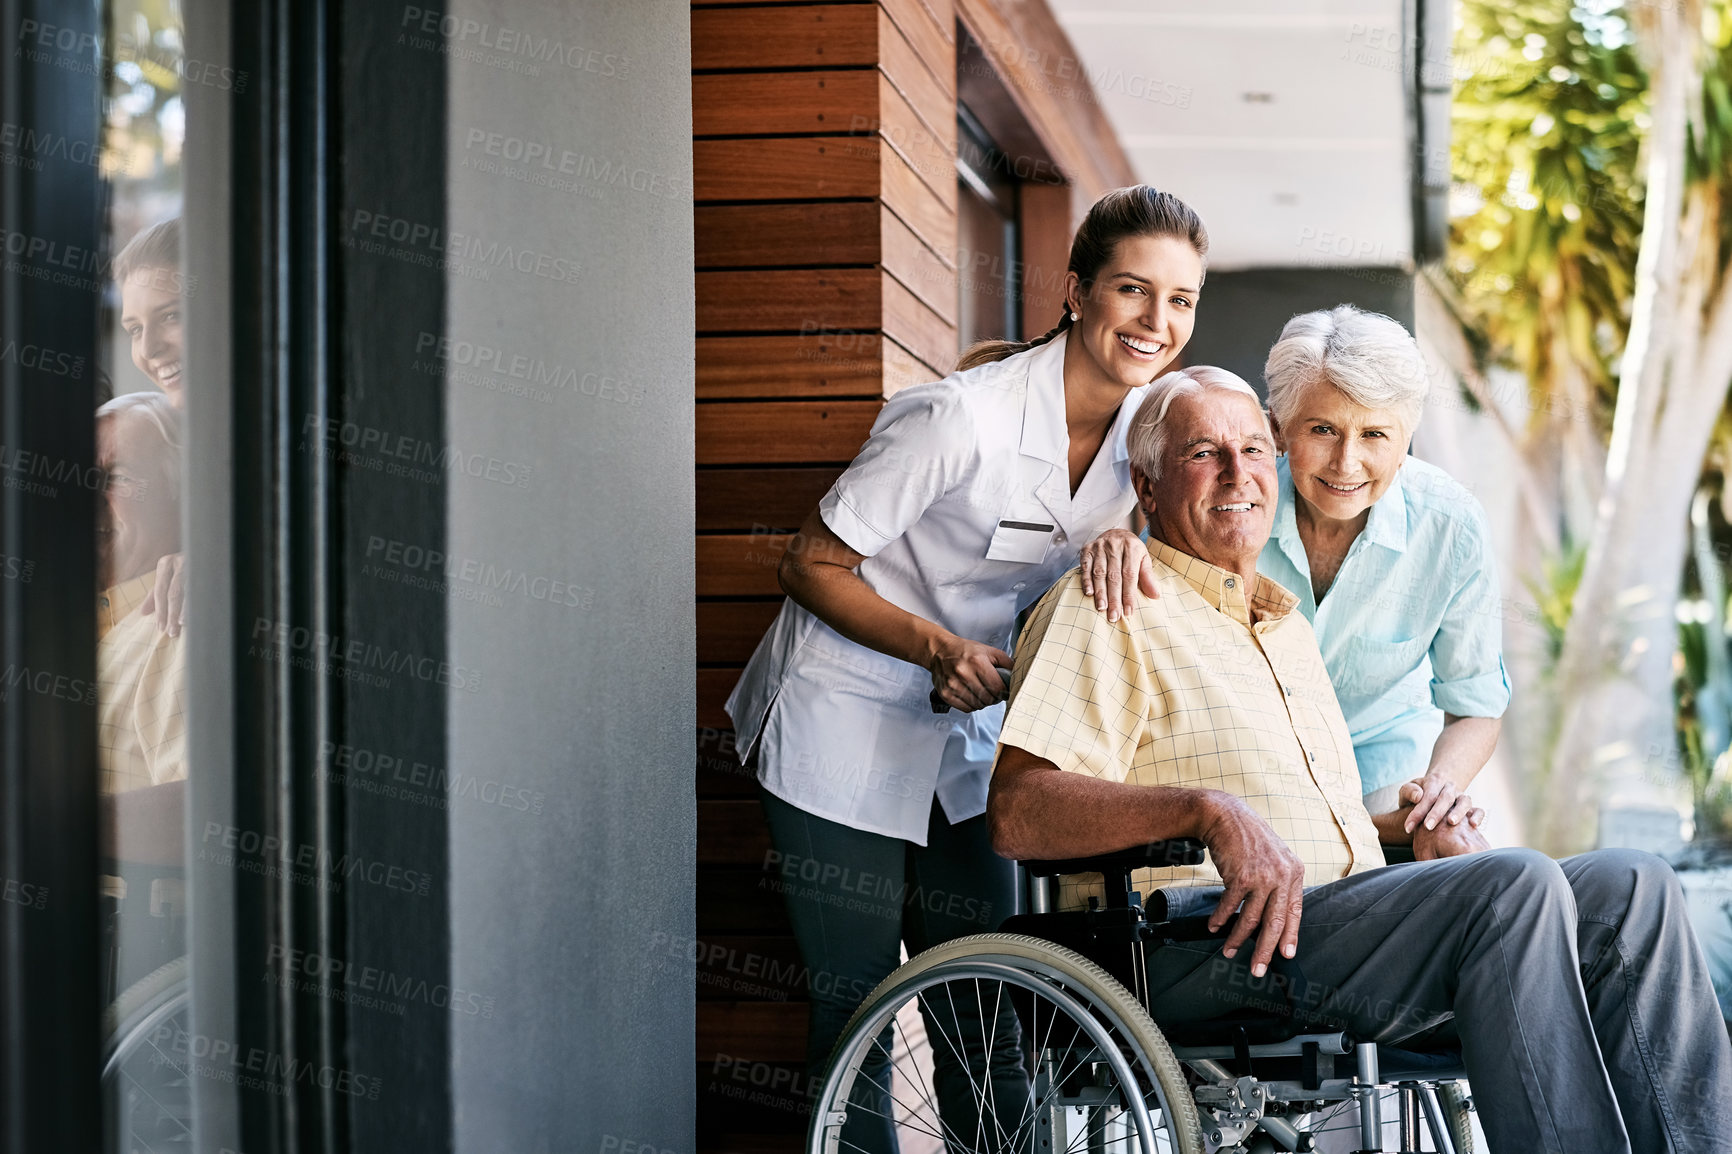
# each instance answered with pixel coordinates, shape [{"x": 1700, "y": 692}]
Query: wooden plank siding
[
  {"x": 736, "y": 500},
  {"x": 819, "y": 365},
  {"x": 819, "y": 268},
  {"x": 793, "y": 103},
  {"x": 782, "y": 432},
  {"x": 787, "y": 235},
  {"x": 728, "y": 631},
  {"x": 788, "y": 168},
  {"x": 739, "y": 564},
  {"x": 822, "y": 36}
]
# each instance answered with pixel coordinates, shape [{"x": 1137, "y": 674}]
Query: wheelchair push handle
[{"x": 939, "y": 705}]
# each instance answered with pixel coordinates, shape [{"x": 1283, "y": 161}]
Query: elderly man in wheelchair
[{"x": 1303, "y": 988}]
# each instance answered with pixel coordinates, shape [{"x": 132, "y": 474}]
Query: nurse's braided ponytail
[{"x": 1124, "y": 212}]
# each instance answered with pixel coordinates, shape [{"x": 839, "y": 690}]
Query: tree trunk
[{"x": 1614, "y": 677}]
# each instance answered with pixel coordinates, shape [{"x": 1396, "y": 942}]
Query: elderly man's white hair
[
  {"x": 1370, "y": 358},
  {"x": 1146, "y": 443},
  {"x": 160, "y": 412}
]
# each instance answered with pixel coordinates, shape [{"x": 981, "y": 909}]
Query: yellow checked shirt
[
  {"x": 140, "y": 693},
  {"x": 1187, "y": 692}
]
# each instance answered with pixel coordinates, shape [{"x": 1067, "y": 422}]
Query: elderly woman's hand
[
  {"x": 167, "y": 597},
  {"x": 1114, "y": 566},
  {"x": 1437, "y": 801}
]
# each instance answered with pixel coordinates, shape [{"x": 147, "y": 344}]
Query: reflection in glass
[{"x": 141, "y": 646}]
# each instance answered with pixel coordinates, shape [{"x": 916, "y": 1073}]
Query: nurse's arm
[
  {"x": 818, "y": 570},
  {"x": 1036, "y": 811}
]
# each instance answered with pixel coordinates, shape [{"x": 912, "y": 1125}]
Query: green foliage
[
  {"x": 1710, "y": 147},
  {"x": 1704, "y": 766},
  {"x": 1554, "y": 595},
  {"x": 1548, "y": 118},
  {"x": 1702, "y": 685}
]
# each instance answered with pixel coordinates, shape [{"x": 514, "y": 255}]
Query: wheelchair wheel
[
  {"x": 147, "y": 1095},
  {"x": 1007, "y": 1044}
]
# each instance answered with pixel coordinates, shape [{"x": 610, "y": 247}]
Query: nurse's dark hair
[{"x": 1119, "y": 215}]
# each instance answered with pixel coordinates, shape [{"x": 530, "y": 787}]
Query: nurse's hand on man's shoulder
[
  {"x": 966, "y": 673},
  {"x": 1114, "y": 566}
]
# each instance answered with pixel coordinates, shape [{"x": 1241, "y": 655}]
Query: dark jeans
[
  {"x": 854, "y": 898},
  {"x": 1581, "y": 998}
]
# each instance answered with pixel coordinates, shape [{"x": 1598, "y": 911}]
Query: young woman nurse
[{"x": 972, "y": 495}]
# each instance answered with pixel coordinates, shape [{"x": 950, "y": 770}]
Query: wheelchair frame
[{"x": 1250, "y": 1078}]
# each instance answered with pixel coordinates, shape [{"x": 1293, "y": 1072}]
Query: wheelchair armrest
[{"x": 1175, "y": 852}]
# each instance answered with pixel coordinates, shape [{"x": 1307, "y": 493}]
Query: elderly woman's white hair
[
  {"x": 1370, "y": 358},
  {"x": 1146, "y": 443}
]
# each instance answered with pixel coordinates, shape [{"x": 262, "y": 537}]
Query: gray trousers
[{"x": 1577, "y": 989}]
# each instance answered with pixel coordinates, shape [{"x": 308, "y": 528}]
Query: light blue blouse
[{"x": 1412, "y": 628}]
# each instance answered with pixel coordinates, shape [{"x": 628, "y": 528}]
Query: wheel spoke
[
  {"x": 948, "y": 1134},
  {"x": 990, "y": 1101},
  {"x": 961, "y": 1059},
  {"x": 914, "y": 1077}
]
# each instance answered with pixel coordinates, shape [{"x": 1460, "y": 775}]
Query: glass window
[
  {"x": 141, "y": 618},
  {"x": 986, "y": 225}
]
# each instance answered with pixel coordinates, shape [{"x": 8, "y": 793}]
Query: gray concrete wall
[
  {"x": 1242, "y": 312},
  {"x": 570, "y": 237}
]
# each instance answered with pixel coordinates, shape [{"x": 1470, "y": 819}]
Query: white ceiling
[{"x": 1284, "y": 123}]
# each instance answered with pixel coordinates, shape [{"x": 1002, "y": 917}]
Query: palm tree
[
  {"x": 1546, "y": 140},
  {"x": 1564, "y": 129}
]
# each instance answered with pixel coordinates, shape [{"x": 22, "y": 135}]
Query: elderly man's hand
[
  {"x": 1114, "y": 566},
  {"x": 1449, "y": 840},
  {"x": 1259, "y": 870}
]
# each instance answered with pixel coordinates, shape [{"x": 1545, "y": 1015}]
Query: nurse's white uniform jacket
[{"x": 961, "y": 502}]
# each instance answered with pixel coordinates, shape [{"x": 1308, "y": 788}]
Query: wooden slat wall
[
  {"x": 824, "y": 137},
  {"x": 824, "y": 144}
]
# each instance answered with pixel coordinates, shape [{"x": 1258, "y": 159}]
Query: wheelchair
[
  {"x": 146, "y": 1065},
  {"x": 1039, "y": 1041}
]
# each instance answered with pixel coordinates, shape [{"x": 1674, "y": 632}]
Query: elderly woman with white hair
[{"x": 1389, "y": 558}]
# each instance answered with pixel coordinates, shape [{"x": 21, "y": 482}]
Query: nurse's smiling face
[
  {"x": 1343, "y": 456},
  {"x": 1139, "y": 311}
]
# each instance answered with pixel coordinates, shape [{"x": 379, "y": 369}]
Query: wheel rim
[
  {"x": 1096, "y": 1086},
  {"x": 146, "y": 1084}
]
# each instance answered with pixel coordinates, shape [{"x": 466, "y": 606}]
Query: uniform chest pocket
[{"x": 1025, "y": 542}]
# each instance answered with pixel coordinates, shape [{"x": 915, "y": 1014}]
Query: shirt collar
[
  {"x": 1287, "y": 519},
  {"x": 1223, "y": 589},
  {"x": 1387, "y": 525},
  {"x": 118, "y": 601},
  {"x": 1044, "y": 433}
]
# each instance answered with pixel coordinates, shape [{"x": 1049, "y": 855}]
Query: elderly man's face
[
  {"x": 138, "y": 521},
  {"x": 1215, "y": 498}
]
